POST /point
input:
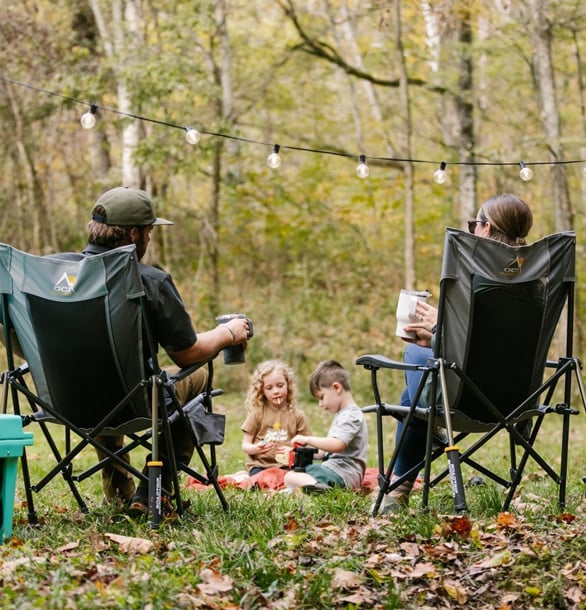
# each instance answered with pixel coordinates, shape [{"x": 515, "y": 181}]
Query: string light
[
  {"x": 362, "y": 170},
  {"x": 440, "y": 175},
  {"x": 274, "y": 159},
  {"x": 88, "y": 119},
  {"x": 192, "y": 135},
  {"x": 526, "y": 173}
]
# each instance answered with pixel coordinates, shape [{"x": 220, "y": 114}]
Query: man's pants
[{"x": 118, "y": 482}]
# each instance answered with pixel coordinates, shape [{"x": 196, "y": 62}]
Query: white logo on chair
[
  {"x": 514, "y": 267},
  {"x": 65, "y": 284}
]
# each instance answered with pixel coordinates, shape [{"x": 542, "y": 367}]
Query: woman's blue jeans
[{"x": 413, "y": 449}]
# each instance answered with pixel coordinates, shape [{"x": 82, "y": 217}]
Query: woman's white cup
[{"x": 406, "y": 308}]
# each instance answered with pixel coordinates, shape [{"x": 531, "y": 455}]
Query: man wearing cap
[{"x": 123, "y": 216}]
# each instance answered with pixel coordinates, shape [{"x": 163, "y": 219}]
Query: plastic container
[{"x": 12, "y": 442}]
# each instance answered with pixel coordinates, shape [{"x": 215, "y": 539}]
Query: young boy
[{"x": 344, "y": 448}]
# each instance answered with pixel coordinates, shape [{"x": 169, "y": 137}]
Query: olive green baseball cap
[{"x": 126, "y": 206}]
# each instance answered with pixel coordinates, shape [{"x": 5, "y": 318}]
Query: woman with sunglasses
[{"x": 505, "y": 218}]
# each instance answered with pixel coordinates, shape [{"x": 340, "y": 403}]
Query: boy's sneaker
[{"x": 316, "y": 488}]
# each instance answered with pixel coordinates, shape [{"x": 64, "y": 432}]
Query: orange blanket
[{"x": 271, "y": 479}]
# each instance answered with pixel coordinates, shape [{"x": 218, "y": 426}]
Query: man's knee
[{"x": 192, "y": 385}]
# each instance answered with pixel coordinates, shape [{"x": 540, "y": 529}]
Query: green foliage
[{"x": 313, "y": 254}]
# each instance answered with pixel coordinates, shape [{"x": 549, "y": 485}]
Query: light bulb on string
[
  {"x": 362, "y": 170},
  {"x": 526, "y": 173},
  {"x": 192, "y": 135},
  {"x": 440, "y": 175},
  {"x": 274, "y": 159},
  {"x": 88, "y": 119}
]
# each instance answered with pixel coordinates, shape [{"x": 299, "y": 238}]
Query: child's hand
[
  {"x": 264, "y": 447},
  {"x": 299, "y": 439}
]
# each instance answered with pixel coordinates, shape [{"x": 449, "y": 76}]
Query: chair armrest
[
  {"x": 378, "y": 361},
  {"x": 182, "y": 373}
]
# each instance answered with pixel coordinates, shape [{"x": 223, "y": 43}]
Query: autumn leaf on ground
[
  {"x": 362, "y": 598},
  {"x": 564, "y": 518},
  {"x": 291, "y": 525},
  {"x": 508, "y": 601},
  {"x": 507, "y": 519},
  {"x": 344, "y": 579},
  {"x": 455, "y": 591},
  {"x": 460, "y": 526},
  {"x": 131, "y": 545},
  {"x": 70, "y": 546},
  {"x": 214, "y": 582},
  {"x": 498, "y": 559},
  {"x": 575, "y": 595}
]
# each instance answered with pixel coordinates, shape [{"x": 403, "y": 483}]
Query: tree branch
[{"x": 325, "y": 51}]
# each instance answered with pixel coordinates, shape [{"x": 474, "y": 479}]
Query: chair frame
[
  {"x": 158, "y": 385},
  {"x": 565, "y": 370}
]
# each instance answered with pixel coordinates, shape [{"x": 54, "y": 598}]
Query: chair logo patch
[
  {"x": 65, "y": 285},
  {"x": 515, "y": 267}
]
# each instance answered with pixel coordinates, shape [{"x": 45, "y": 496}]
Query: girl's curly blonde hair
[{"x": 255, "y": 398}]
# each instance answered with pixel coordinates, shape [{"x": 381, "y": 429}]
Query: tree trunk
[
  {"x": 124, "y": 25},
  {"x": 540, "y": 37},
  {"x": 43, "y": 239},
  {"x": 409, "y": 181},
  {"x": 449, "y": 39}
]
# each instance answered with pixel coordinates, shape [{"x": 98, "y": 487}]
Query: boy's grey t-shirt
[{"x": 349, "y": 426}]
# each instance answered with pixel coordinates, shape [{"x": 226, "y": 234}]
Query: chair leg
[{"x": 32, "y": 513}]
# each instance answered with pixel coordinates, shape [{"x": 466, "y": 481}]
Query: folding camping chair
[
  {"x": 499, "y": 307},
  {"x": 81, "y": 326}
]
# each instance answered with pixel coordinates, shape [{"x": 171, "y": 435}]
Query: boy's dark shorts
[{"x": 325, "y": 475}]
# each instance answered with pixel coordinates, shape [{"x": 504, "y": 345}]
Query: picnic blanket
[{"x": 271, "y": 479}]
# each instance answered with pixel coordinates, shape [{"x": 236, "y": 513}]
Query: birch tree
[
  {"x": 540, "y": 35},
  {"x": 121, "y": 34},
  {"x": 449, "y": 38}
]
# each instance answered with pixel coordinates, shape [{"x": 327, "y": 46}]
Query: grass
[{"x": 294, "y": 551}]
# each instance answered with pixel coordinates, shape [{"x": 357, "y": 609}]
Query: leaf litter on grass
[{"x": 320, "y": 559}]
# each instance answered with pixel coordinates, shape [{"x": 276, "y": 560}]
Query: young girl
[{"x": 273, "y": 420}]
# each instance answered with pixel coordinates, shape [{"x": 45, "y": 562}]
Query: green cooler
[{"x": 12, "y": 442}]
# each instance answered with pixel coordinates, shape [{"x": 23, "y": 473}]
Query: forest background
[{"x": 314, "y": 254}]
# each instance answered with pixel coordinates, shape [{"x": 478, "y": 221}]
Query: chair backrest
[
  {"x": 499, "y": 308},
  {"x": 78, "y": 320}
]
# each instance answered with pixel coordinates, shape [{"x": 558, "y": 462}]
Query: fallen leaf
[
  {"x": 575, "y": 595},
  {"x": 344, "y": 579},
  {"x": 506, "y": 519},
  {"x": 131, "y": 545},
  {"x": 508, "y": 601},
  {"x": 565, "y": 518},
  {"x": 214, "y": 582},
  {"x": 68, "y": 547},
  {"x": 455, "y": 591},
  {"x": 292, "y": 525},
  {"x": 532, "y": 590},
  {"x": 496, "y": 560}
]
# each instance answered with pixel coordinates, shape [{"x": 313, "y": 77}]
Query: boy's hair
[
  {"x": 327, "y": 373},
  {"x": 255, "y": 398}
]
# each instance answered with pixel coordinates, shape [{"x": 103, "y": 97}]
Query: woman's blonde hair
[
  {"x": 255, "y": 397},
  {"x": 510, "y": 218}
]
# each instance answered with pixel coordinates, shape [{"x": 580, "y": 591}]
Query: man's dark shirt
[{"x": 169, "y": 321}]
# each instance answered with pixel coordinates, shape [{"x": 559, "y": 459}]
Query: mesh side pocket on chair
[{"x": 209, "y": 428}]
